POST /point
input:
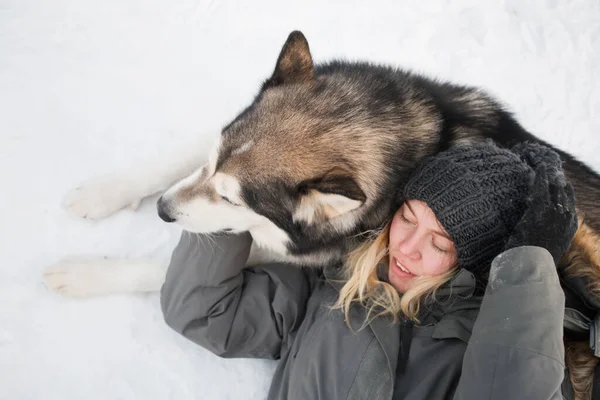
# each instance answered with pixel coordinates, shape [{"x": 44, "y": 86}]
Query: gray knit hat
[{"x": 478, "y": 192}]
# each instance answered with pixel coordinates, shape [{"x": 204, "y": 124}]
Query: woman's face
[{"x": 418, "y": 245}]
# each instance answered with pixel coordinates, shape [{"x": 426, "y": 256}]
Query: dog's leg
[
  {"x": 97, "y": 276},
  {"x": 105, "y": 195},
  {"x": 86, "y": 277}
]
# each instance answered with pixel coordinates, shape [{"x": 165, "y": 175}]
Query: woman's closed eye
[
  {"x": 406, "y": 220},
  {"x": 438, "y": 247}
]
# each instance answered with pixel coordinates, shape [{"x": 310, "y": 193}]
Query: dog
[{"x": 312, "y": 166}]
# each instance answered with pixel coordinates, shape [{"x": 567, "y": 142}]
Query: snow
[{"x": 92, "y": 87}]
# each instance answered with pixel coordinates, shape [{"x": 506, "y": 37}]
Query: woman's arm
[
  {"x": 516, "y": 349},
  {"x": 213, "y": 300}
]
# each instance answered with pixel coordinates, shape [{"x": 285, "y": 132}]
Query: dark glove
[{"x": 550, "y": 220}]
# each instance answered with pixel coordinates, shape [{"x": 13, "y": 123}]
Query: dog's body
[{"x": 314, "y": 163}]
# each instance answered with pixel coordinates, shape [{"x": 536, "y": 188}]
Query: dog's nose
[{"x": 162, "y": 212}]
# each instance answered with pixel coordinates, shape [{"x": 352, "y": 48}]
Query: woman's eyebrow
[{"x": 441, "y": 233}]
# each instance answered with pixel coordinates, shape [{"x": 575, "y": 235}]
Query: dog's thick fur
[{"x": 317, "y": 159}]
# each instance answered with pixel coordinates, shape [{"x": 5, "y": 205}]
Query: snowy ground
[{"x": 86, "y": 87}]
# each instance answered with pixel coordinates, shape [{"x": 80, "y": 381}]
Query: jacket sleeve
[
  {"x": 516, "y": 349},
  {"x": 210, "y": 298}
]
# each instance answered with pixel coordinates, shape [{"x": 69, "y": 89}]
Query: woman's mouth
[{"x": 402, "y": 269}]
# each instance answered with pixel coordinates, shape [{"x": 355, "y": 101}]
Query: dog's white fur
[
  {"x": 201, "y": 215},
  {"x": 100, "y": 198},
  {"x": 330, "y": 204},
  {"x": 105, "y": 195},
  {"x": 85, "y": 277}
]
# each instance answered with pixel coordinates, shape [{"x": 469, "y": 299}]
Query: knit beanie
[{"x": 478, "y": 192}]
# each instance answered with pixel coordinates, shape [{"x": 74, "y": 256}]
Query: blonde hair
[{"x": 362, "y": 285}]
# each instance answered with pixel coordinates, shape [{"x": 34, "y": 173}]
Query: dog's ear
[
  {"x": 329, "y": 196},
  {"x": 295, "y": 64}
]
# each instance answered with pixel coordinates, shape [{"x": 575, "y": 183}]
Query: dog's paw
[
  {"x": 83, "y": 277},
  {"x": 86, "y": 277},
  {"x": 101, "y": 197}
]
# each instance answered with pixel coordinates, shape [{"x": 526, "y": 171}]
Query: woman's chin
[{"x": 401, "y": 284}]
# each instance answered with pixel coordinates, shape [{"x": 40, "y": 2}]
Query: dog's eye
[{"x": 229, "y": 201}]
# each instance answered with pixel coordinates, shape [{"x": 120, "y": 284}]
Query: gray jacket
[{"x": 507, "y": 345}]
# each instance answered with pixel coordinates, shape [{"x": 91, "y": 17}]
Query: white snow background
[{"x": 90, "y": 87}]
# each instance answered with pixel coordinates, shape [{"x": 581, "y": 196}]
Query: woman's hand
[{"x": 550, "y": 220}]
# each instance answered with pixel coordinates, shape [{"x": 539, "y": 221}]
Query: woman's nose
[{"x": 410, "y": 246}]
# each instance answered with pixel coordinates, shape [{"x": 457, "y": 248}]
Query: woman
[{"x": 458, "y": 297}]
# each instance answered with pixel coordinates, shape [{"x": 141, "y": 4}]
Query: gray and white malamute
[{"x": 310, "y": 166}]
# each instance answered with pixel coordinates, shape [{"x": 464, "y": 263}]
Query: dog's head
[{"x": 306, "y": 164}]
